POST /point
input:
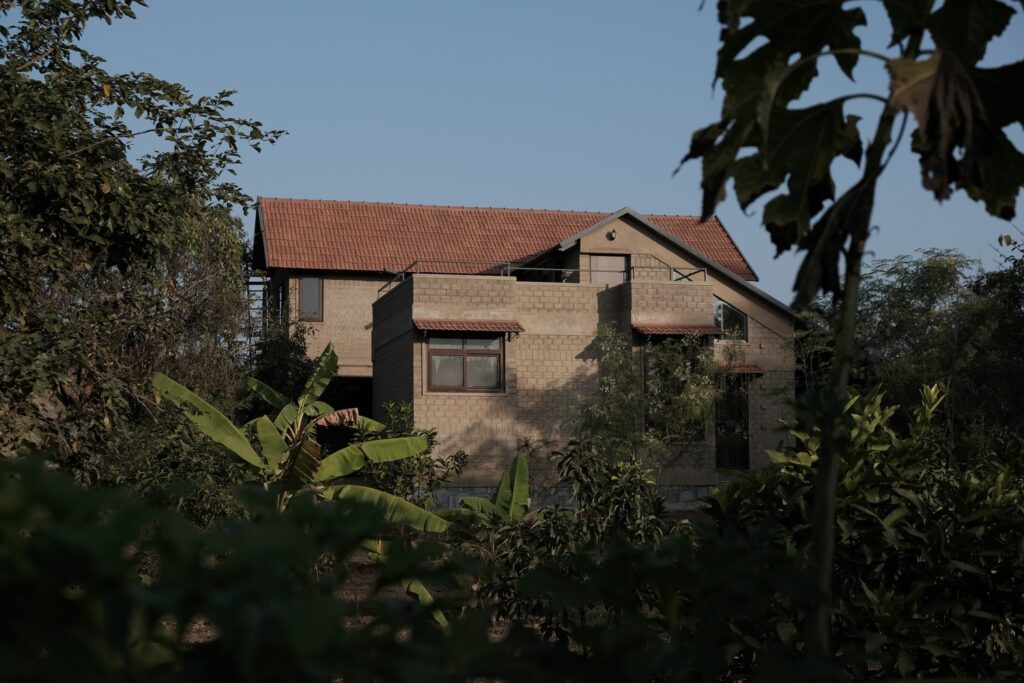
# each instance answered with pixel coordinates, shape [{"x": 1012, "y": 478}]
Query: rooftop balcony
[{"x": 644, "y": 271}]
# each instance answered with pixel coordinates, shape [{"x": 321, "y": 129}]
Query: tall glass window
[
  {"x": 311, "y": 299},
  {"x": 730, "y": 320}
]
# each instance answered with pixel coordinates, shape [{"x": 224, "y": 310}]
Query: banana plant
[
  {"x": 284, "y": 452},
  {"x": 287, "y": 458},
  {"x": 509, "y": 504}
]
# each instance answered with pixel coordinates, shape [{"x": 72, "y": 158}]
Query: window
[
  {"x": 311, "y": 299},
  {"x": 608, "y": 269},
  {"x": 731, "y": 320},
  {"x": 465, "y": 363}
]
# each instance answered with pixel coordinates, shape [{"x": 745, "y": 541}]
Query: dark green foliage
[
  {"x": 650, "y": 406},
  {"x": 933, "y": 318},
  {"x": 417, "y": 478},
  {"x": 118, "y": 253},
  {"x": 929, "y": 557},
  {"x": 282, "y": 356},
  {"x": 100, "y": 587},
  {"x": 767, "y": 144}
]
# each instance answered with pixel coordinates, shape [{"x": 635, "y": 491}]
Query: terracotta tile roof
[
  {"x": 673, "y": 330},
  {"x": 448, "y": 325},
  {"x": 366, "y": 236},
  {"x": 743, "y": 369}
]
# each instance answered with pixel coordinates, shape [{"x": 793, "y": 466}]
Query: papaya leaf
[{"x": 208, "y": 419}]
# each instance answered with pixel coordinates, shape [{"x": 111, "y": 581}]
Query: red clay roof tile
[
  {"x": 366, "y": 236},
  {"x": 672, "y": 330},
  {"x": 449, "y": 325}
]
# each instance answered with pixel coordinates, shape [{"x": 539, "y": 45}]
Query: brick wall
[{"x": 348, "y": 317}]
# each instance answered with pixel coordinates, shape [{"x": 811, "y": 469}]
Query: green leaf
[
  {"x": 519, "y": 502},
  {"x": 286, "y": 417},
  {"x": 393, "y": 509},
  {"x": 353, "y": 458},
  {"x": 208, "y": 419},
  {"x": 415, "y": 588},
  {"x": 480, "y": 505},
  {"x": 503, "y": 496},
  {"x": 271, "y": 442},
  {"x": 368, "y": 425},
  {"x": 894, "y": 516},
  {"x": 324, "y": 371},
  {"x": 275, "y": 399}
]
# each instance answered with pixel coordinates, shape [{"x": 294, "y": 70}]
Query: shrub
[{"x": 928, "y": 557}]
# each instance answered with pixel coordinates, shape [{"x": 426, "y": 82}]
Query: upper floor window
[
  {"x": 311, "y": 299},
  {"x": 474, "y": 363},
  {"x": 730, "y": 320}
]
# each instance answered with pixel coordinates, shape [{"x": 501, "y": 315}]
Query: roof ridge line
[{"x": 469, "y": 207}]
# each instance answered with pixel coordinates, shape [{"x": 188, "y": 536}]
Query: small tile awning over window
[
  {"x": 654, "y": 329},
  {"x": 449, "y": 325},
  {"x": 743, "y": 369}
]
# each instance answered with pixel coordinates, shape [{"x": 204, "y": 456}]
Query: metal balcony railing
[{"x": 663, "y": 273}]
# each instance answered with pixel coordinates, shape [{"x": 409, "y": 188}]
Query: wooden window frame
[
  {"x": 720, "y": 305},
  {"x": 464, "y": 352},
  {"x": 321, "y": 295}
]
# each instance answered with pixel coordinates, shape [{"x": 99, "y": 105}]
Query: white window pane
[
  {"x": 446, "y": 371},
  {"x": 309, "y": 298},
  {"x": 488, "y": 344},
  {"x": 482, "y": 372},
  {"x": 445, "y": 343}
]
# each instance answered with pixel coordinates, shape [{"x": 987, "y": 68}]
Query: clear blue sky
[{"x": 535, "y": 104}]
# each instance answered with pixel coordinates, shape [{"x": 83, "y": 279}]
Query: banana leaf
[
  {"x": 393, "y": 509},
  {"x": 208, "y": 419},
  {"x": 325, "y": 370},
  {"x": 519, "y": 502},
  {"x": 481, "y": 506},
  {"x": 503, "y": 496},
  {"x": 272, "y": 396},
  {"x": 378, "y": 551},
  {"x": 302, "y": 464},
  {"x": 465, "y": 515},
  {"x": 355, "y": 457},
  {"x": 271, "y": 442},
  {"x": 285, "y": 418}
]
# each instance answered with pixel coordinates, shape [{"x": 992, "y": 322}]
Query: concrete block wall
[
  {"x": 552, "y": 364},
  {"x": 347, "y": 320},
  {"x": 672, "y": 303}
]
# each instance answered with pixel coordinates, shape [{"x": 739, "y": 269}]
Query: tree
[
  {"x": 118, "y": 251},
  {"x": 765, "y": 143}
]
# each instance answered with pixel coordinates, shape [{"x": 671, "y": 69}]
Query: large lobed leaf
[{"x": 208, "y": 419}]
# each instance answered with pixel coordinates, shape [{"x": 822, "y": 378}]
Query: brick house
[{"x": 483, "y": 318}]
